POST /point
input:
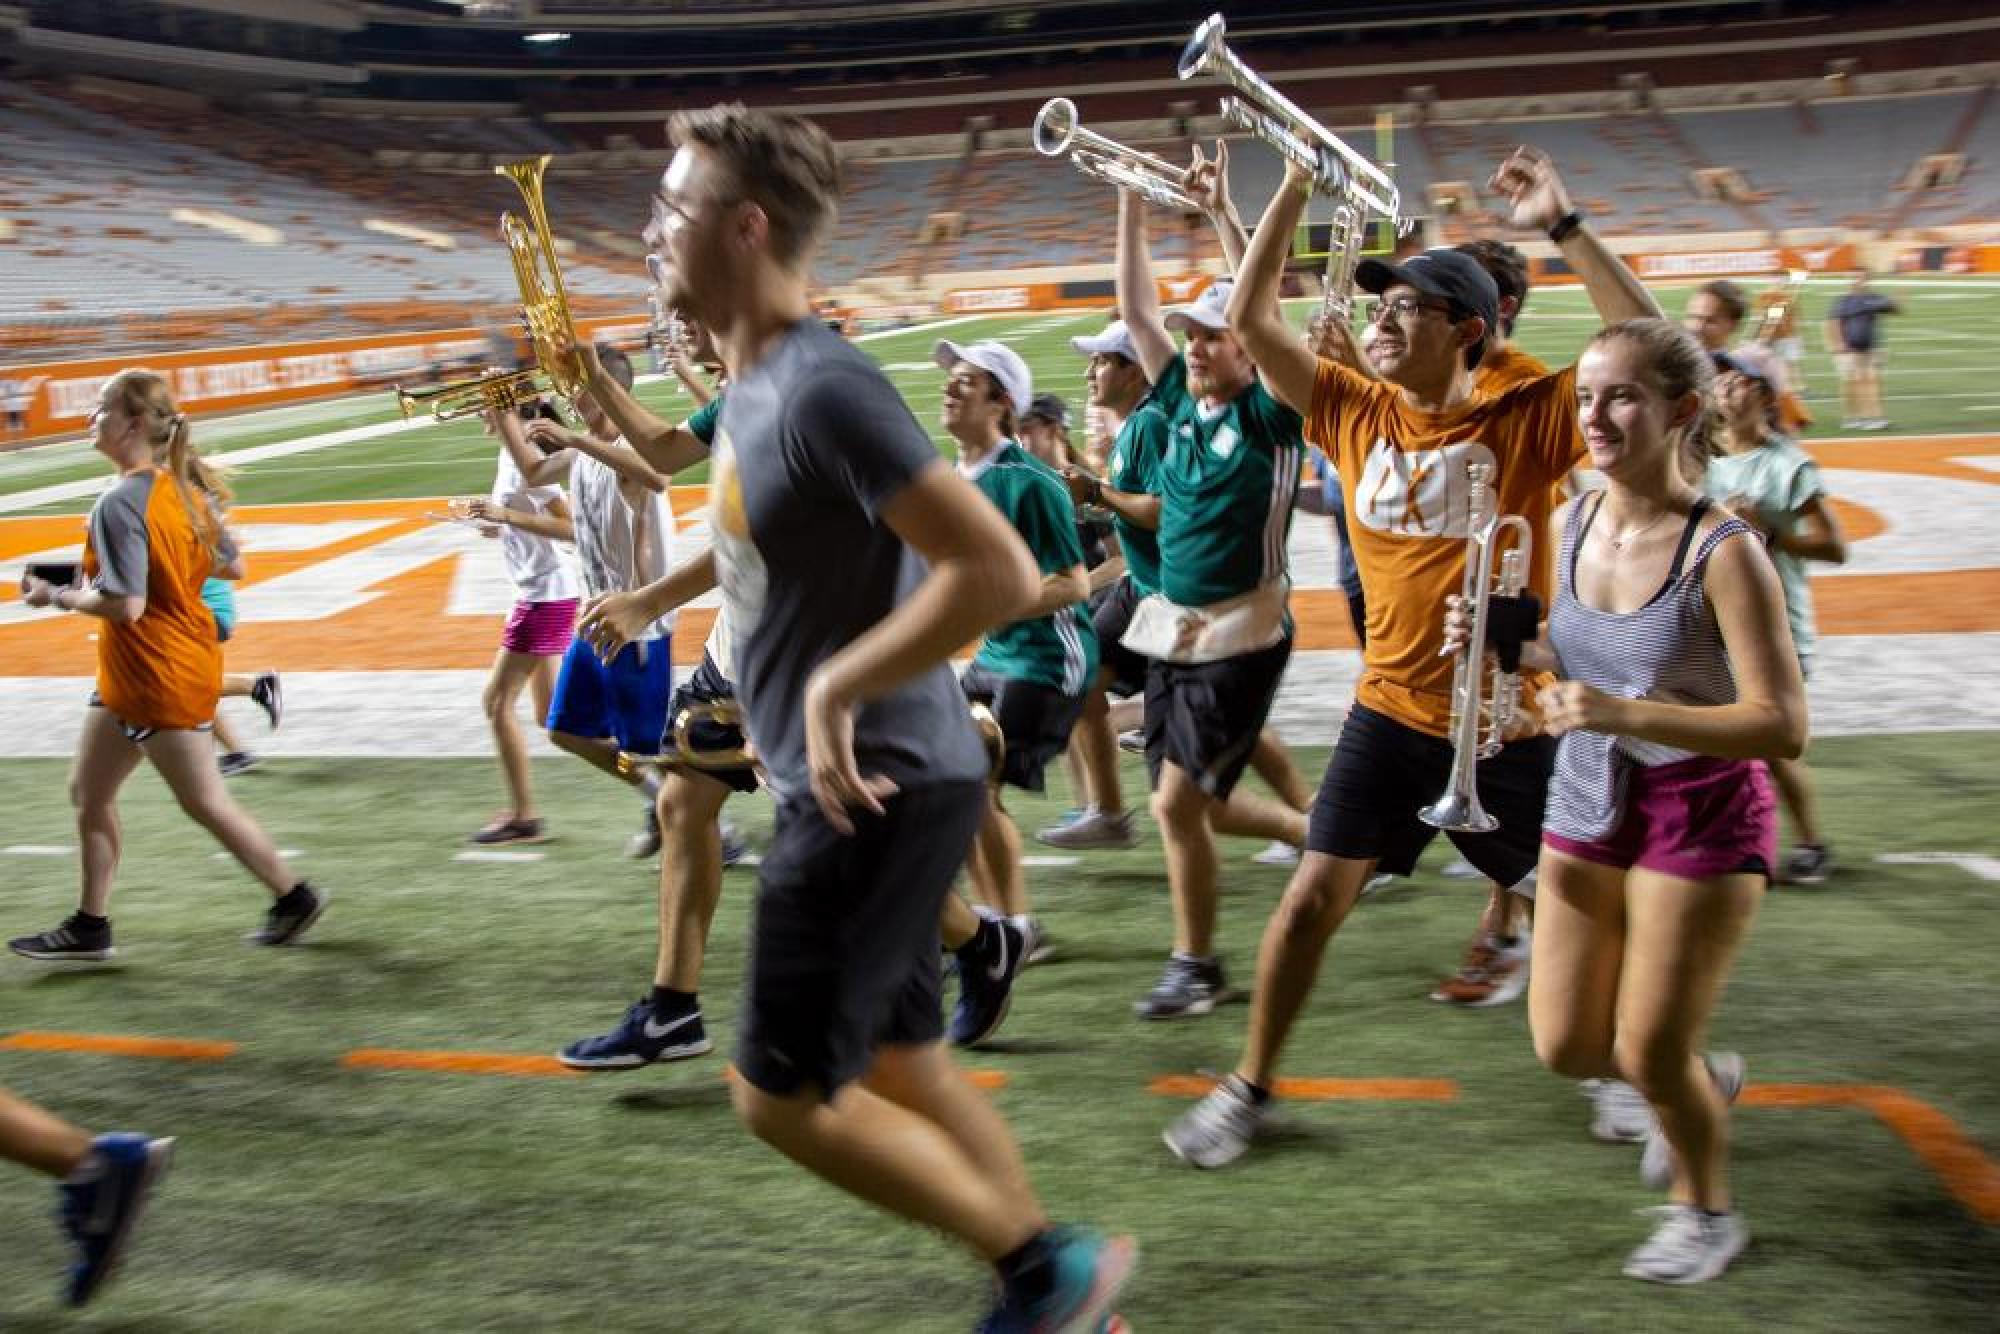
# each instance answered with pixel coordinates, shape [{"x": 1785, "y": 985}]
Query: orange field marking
[
  {"x": 104, "y": 1044},
  {"x": 454, "y": 1062},
  {"x": 1935, "y": 1138},
  {"x": 410, "y": 626},
  {"x": 1323, "y": 1090}
]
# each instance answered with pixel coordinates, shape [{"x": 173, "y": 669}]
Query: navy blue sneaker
[
  {"x": 1090, "y": 1271},
  {"x": 640, "y": 1039},
  {"x": 987, "y": 967},
  {"x": 100, "y": 1203}
]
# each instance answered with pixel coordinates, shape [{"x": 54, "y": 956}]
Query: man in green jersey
[
  {"x": 1033, "y": 671},
  {"x": 1218, "y": 630}
]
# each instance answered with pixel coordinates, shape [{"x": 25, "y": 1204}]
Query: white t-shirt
[
  {"x": 534, "y": 563},
  {"x": 620, "y": 547}
]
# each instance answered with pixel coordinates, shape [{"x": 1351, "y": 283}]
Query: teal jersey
[
  {"x": 701, "y": 422},
  {"x": 1058, "y": 650},
  {"x": 1777, "y": 478},
  {"x": 1135, "y": 466},
  {"x": 1226, "y": 484}
]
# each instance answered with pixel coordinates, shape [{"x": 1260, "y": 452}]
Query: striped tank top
[{"x": 1669, "y": 650}]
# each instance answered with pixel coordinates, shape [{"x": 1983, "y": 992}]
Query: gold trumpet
[
  {"x": 495, "y": 391},
  {"x": 544, "y": 309},
  {"x": 684, "y": 754}
]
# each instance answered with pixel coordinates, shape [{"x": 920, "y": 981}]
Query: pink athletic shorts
[
  {"x": 541, "y": 628},
  {"x": 1694, "y": 819}
]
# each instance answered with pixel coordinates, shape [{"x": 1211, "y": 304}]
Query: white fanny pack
[{"x": 1227, "y": 629}]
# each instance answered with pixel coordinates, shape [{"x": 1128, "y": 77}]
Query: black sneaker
[
  {"x": 236, "y": 762},
  {"x": 267, "y": 695},
  {"x": 987, "y": 967},
  {"x": 1187, "y": 988},
  {"x": 1808, "y": 864},
  {"x": 291, "y": 916},
  {"x": 72, "y": 942},
  {"x": 641, "y": 1038}
]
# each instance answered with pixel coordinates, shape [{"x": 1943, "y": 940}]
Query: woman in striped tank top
[{"x": 1678, "y": 679}]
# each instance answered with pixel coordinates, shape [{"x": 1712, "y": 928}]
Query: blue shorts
[{"x": 626, "y": 700}]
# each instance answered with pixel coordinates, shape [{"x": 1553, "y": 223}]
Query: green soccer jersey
[
  {"x": 1226, "y": 484},
  {"x": 1135, "y": 464},
  {"x": 1058, "y": 650}
]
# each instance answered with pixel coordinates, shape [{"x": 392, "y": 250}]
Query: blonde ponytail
[{"x": 144, "y": 396}]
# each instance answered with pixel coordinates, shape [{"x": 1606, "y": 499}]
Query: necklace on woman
[{"x": 1622, "y": 540}]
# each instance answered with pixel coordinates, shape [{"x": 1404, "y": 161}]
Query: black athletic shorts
[
  {"x": 1127, "y": 670},
  {"x": 709, "y": 686},
  {"x": 1035, "y": 720},
  {"x": 1383, "y": 772},
  {"x": 1205, "y": 717},
  {"x": 844, "y": 950}
]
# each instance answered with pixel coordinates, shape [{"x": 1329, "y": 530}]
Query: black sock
[
  {"x": 90, "y": 920},
  {"x": 671, "y": 1004},
  {"x": 981, "y": 943},
  {"x": 1259, "y": 1095},
  {"x": 1029, "y": 1268}
]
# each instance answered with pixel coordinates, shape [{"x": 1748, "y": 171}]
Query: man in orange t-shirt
[{"x": 1402, "y": 445}]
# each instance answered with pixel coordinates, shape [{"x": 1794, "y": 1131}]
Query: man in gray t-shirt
[
  {"x": 853, "y": 561},
  {"x": 811, "y": 443}
]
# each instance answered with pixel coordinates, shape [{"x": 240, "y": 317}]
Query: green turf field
[
  {"x": 308, "y": 1197},
  {"x": 1940, "y": 356}
]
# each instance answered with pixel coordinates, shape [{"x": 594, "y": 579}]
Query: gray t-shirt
[{"x": 812, "y": 441}]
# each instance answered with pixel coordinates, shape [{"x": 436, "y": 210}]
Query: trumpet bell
[
  {"x": 1055, "y": 126},
  {"x": 1458, "y": 813},
  {"x": 1203, "y": 49}
]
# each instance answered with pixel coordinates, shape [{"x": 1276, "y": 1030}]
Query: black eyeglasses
[{"x": 1405, "y": 308}]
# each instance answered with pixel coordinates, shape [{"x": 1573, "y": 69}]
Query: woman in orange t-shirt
[{"x": 151, "y": 541}]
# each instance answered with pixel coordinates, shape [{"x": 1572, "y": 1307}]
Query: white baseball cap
[
  {"x": 1003, "y": 363},
  {"x": 1210, "y": 310},
  {"x": 1113, "y": 338}
]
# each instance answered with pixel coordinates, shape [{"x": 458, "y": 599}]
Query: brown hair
[
  {"x": 1677, "y": 363},
  {"x": 143, "y": 395},
  {"x": 784, "y": 163},
  {"x": 1508, "y": 268},
  {"x": 1730, "y": 297}
]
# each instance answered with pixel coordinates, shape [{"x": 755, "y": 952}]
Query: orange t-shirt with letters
[{"x": 1404, "y": 480}]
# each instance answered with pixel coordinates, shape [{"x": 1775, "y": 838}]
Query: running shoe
[
  {"x": 1656, "y": 1165},
  {"x": 1688, "y": 1246},
  {"x": 70, "y": 942},
  {"x": 1218, "y": 1130},
  {"x": 269, "y": 696},
  {"x": 1494, "y": 972},
  {"x": 1088, "y": 829},
  {"x": 235, "y": 762},
  {"x": 1188, "y": 987},
  {"x": 641, "y": 1038},
  {"x": 987, "y": 967},
  {"x": 100, "y": 1203},
  {"x": 1279, "y": 853},
  {"x": 291, "y": 916},
  {"x": 1089, "y": 1272},
  {"x": 1620, "y": 1113},
  {"x": 646, "y": 841},
  {"x": 504, "y": 830},
  {"x": 1807, "y": 864},
  {"x": 1133, "y": 742}
]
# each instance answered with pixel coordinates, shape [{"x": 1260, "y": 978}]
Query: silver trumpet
[
  {"x": 1480, "y": 716},
  {"x": 1058, "y": 133},
  {"x": 1358, "y": 187}
]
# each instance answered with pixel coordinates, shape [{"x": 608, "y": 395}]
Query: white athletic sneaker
[
  {"x": 1092, "y": 828},
  {"x": 1656, "y": 1165},
  {"x": 1279, "y": 853},
  {"x": 1620, "y": 1114},
  {"x": 1459, "y": 869},
  {"x": 1688, "y": 1246},
  {"x": 1216, "y": 1131}
]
